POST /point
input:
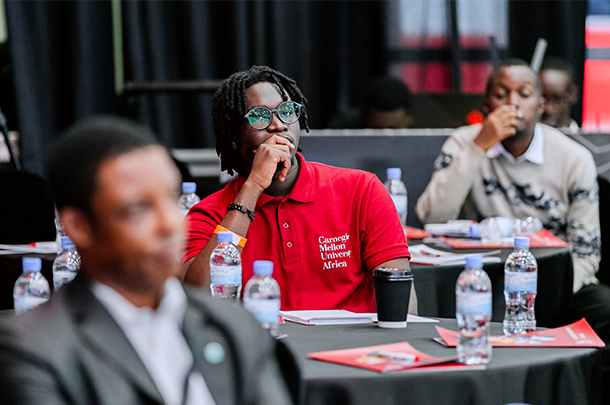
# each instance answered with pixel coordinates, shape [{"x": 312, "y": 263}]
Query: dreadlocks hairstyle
[{"x": 229, "y": 106}]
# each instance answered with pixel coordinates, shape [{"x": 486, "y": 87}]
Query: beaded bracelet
[{"x": 241, "y": 208}]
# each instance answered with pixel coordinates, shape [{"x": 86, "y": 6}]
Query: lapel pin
[{"x": 214, "y": 353}]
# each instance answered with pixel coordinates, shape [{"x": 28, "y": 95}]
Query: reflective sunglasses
[{"x": 260, "y": 117}]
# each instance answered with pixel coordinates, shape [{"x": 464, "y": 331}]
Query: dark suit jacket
[{"x": 71, "y": 351}]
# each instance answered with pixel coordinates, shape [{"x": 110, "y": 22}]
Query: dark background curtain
[
  {"x": 327, "y": 47},
  {"x": 62, "y": 56},
  {"x": 561, "y": 23},
  {"x": 63, "y": 63}
]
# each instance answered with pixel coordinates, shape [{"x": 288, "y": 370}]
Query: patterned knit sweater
[{"x": 562, "y": 191}]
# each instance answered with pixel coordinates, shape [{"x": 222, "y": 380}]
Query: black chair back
[
  {"x": 26, "y": 209},
  {"x": 604, "y": 221}
]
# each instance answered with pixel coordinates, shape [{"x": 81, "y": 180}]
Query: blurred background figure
[
  {"x": 386, "y": 104},
  {"x": 560, "y": 93}
]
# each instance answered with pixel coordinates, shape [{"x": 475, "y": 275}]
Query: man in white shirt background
[{"x": 511, "y": 165}]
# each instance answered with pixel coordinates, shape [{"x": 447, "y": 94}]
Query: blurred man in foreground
[
  {"x": 560, "y": 93},
  {"x": 513, "y": 166},
  {"x": 325, "y": 228},
  {"x": 125, "y": 331}
]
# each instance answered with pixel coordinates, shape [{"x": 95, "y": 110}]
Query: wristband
[
  {"x": 241, "y": 208},
  {"x": 237, "y": 240}
]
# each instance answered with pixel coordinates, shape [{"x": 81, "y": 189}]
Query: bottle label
[
  {"x": 265, "y": 311},
  {"x": 400, "y": 201},
  {"x": 474, "y": 303},
  {"x": 225, "y": 274},
  {"x": 62, "y": 277},
  {"x": 520, "y": 281},
  {"x": 19, "y": 301},
  {"x": 25, "y": 302}
]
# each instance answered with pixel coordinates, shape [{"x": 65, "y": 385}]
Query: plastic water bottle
[
  {"x": 262, "y": 296},
  {"x": 31, "y": 288},
  {"x": 473, "y": 313},
  {"x": 225, "y": 269},
  {"x": 66, "y": 264},
  {"x": 520, "y": 287},
  {"x": 398, "y": 192},
  {"x": 188, "y": 197},
  {"x": 493, "y": 229},
  {"x": 59, "y": 229}
]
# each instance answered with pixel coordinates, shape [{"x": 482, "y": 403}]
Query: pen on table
[
  {"x": 429, "y": 254},
  {"x": 403, "y": 357}
]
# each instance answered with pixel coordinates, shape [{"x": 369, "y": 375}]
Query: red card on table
[
  {"x": 542, "y": 239},
  {"x": 415, "y": 233},
  {"x": 391, "y": 358},
  {"x": 577, "y": 334}
]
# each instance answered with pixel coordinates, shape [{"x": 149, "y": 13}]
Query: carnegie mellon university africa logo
[{"x": 334, "y": 251}]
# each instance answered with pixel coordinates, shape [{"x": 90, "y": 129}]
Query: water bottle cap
[
  {"x": 263, "y": 267},
  {"x": 394, "y": 173},
  {"x": 474, "y": 261},
  {"x": 522, "y": 241},
  {"x": 32, "y": 264},
  {"x": 189, "y": 187},
  {"x": 66, "y": 242},
  {"x": 225, "y": 236},
  {"x": 475, "y": 231}
]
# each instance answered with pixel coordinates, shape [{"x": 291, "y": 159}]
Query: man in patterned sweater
[{"x": 513, "y": 166}]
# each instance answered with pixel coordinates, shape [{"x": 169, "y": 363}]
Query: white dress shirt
[
  {"x": 156, "y": 335},
  {"x": 534, "y": 153}
]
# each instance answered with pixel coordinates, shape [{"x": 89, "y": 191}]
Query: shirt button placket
[{"x": 287, "y": 233}]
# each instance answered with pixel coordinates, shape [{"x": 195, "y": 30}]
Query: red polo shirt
[{"x": 334, "y": 225}]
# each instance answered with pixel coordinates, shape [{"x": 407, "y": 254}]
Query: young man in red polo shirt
[{"x": 325, "y": 228}]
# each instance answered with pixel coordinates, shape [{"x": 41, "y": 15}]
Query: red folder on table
[
  {"x": 577, "y": 334},
  {"x": 542, "y": 239},
  {"x": 391, "y": 358},
  {"x": 415, "y": 233}
]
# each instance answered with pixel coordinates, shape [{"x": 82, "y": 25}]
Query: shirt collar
[
  {"x": 173, "y": 303},
  {"x": 534, "y": 153},
  {"x": 302, "y": 191},
  {"x": 304, "y": 188},
  {"x": 574, "y": 128}
]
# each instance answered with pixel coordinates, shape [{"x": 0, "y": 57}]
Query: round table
[
  {"x": 435, "y": 286},
  {"x": 537, "y": 376}
]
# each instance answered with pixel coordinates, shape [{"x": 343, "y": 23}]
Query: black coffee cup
[{"x": 392, "y": 295}]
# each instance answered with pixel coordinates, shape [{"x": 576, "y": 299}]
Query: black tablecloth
[
  {"x": 435, "y": 286},
  {"x": 537, "y": 376}
]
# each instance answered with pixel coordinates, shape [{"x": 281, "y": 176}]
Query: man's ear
[
  {"x": 541, "y": 105},
  {"x": 77, "y": 226},
  {"x": 485, "y": 107},
  {"x": 573, "y": 94},
  {"x": 408, "y": 123}
]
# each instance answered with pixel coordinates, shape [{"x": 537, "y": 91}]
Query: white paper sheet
[
  {"x": 423, "y": 254},
  {"x": 339, "y": 317}
]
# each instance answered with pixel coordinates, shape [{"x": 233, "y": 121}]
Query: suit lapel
[
  {"x": 213, "y": 355},
  {"x": 104, "y": 337}
]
